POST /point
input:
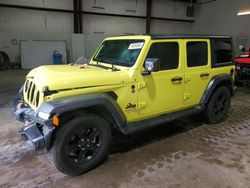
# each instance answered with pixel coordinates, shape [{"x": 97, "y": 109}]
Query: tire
[
  {"x": 218, "y": 106},
  {"x": 81, "y": 145}
]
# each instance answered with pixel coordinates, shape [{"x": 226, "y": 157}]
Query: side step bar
[{"x": 130, "y": 128}]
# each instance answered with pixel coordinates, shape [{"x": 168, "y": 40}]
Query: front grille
[{"x": 31, "y": 93}]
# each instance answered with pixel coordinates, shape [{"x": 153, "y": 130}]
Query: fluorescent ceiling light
[{"x": 243, "y": 13}]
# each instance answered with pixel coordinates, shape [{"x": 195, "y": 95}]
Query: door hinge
[
  {"x": 186, "y": 96},
  {"x": 141, "y": 105},
  {"x": 141, "y": 85},
  {"x": 187, "y": 78}
]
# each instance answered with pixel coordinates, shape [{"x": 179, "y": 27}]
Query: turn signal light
[{"x": 55, "y": 120}]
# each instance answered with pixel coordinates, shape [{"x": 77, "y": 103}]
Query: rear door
[{"x": 197, "y": 70}]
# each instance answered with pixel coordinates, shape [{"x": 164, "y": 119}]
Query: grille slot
[
  {"x": 37, "y": 98},
  {"x": 32, "y": 93}
]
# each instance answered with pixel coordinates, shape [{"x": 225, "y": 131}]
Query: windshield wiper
[
  {"x": 113, "y": 66},
  {"x": 106, "y": 67}
]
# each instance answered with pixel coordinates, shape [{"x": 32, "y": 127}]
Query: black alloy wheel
[
  {"x": 81, "y": 144},
  {"x": 84, "y": 145},
  {"x": 218, "y": 106}
]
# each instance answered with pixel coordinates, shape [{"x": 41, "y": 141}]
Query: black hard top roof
[{"x": 189, "y": 36}]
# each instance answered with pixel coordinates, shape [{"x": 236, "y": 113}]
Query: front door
[{"x": 162, "y": 91}]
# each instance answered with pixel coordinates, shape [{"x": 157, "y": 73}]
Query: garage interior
[{"x": 181, "y": 153}]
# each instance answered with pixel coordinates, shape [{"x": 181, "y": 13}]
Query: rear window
[
  {"x": 221, "y": 52},
  {"x": 196, "y": 54}
]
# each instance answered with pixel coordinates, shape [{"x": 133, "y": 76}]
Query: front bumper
[{"x": 36, "y": 132}]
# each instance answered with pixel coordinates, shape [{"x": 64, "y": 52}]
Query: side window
[
  {"x": 197, "y": 54},
  {"x": 222, "y": 52},
  {"x": 167, "y": 53}
]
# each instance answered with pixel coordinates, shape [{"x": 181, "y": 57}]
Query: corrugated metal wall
[{"x": 7, "y": 42}]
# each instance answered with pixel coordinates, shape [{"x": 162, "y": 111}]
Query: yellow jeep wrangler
[{"x": 132, "y": 83}]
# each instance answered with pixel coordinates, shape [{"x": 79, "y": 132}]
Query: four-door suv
[{"x": 132, "y": 83}]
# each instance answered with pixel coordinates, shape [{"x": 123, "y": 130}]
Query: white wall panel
[
  {"x": 163, "y": 8},
  {"x": 182, "y": 28},
  {"x": 109, "y": 25},
  {"x": 14, "y": 50},
  {"x": 24, "y": 2},
  {"x": 59, "y": 4},
  {"x": 169, "y": 27},
  {"x": 59, "y": 22},
  {"x": 161, "y": 27},
  {"x": 19, "y": 20},
  {"x": 35, "y": 21},
  {"x": 138, "y": 7},
  {"x": 170, "y": 9},
  {"x": 37, "y": 53}
]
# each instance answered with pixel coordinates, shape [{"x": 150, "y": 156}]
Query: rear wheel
[
  {"x": 218, "y": 106},
  {"x": 81, "y": 145}
]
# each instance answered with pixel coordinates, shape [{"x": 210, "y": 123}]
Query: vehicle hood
[{"x": 59, "y": 77}]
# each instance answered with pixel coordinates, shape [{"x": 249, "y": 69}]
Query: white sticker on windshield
[{"x": 134, "y": 46}]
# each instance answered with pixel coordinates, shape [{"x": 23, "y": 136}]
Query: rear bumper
[{"x": 36, "y": 132}]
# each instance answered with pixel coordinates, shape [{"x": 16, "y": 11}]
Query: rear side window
[
  {"x": 221, "y": 52},
  {"x": 197, "y": 54},
  {"x": 167, "y": 53}
]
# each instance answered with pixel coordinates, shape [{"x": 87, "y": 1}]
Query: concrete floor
[{"x": 184, "y": 153}]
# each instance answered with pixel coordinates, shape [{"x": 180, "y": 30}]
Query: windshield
[{"x": 119, "y": 52}]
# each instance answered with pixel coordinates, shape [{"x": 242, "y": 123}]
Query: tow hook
[
  {"x": 20, "y": 105},
  {"x": 27, "y": 123}
]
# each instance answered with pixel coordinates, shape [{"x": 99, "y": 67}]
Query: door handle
[
  {"x": 204, "y": 75},
  {"x": 176, "y": 79}
]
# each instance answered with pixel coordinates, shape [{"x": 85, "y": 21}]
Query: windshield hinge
[{"x": 141, "y": 85}]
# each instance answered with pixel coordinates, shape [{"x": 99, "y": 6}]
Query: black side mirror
[{"x": 151, "y": 65}]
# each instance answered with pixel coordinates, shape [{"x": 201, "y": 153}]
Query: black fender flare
[
  {"x": 68, "y": 104},
  {"x": 218, "y": 80}
]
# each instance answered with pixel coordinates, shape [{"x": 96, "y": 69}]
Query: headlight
[{"x": 43, "y": 115}]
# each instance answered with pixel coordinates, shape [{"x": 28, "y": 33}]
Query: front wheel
[
  {"x": 218, "y": 106},
  {"x": 81, "y": 145}
]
